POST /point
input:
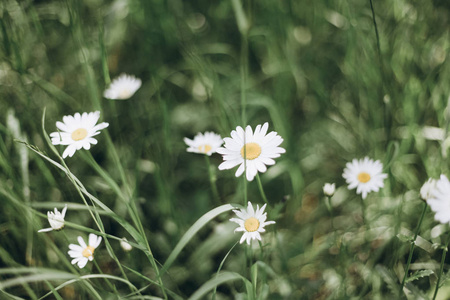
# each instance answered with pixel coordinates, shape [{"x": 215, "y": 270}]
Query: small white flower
[
  {"x": 251, "y": 222},
  {"x": 364, "y": 175},
  {"x": 206, "y": 143},
  {"x": 427, "y": 189},
  {"x": 56, "y": 220},
  {"x": 439, "y": 200},
  {"x": 329, "y": 189},
  {"x": 83, "y": 253},
  {"x": 122, "y": 87},
  {"x": 77, "y": 132},
  {"x": 260, "y": 149},
  {"x": 125, "y": 245}
]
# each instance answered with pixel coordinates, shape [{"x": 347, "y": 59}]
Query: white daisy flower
[
  {"x": 260, "y": 149},
  {"x": 56, "y": 220},
  {"x": 83, "y": 253},
  {"x": 122, "y": 87},
  {"x": 439, "y": 200},
  {"x": 206, "y": 143},
  {"x": 427, "y": 189},
  {"x": 329, "y": 189},
  {"x": 251, "y": 222},
  {"x": 125, "y": 245},
  {"x": 364, "y": 175},
  {"x": 77, "y": 132}
]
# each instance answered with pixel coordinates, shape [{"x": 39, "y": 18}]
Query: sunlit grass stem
[
  {"x": 243, "y": 25},
  {"x": 413, "y": 244}
]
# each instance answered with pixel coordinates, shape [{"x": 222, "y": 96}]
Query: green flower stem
[
  {"x": 363, "y": 210},
  {"x": 212, "y": 180},
  {"x": 330, "y": 210},
  {"x": 244, "y": 178},
  {"x": 444, "y": 253},
  {"x": 111, "y": 286},
  {"x": 261, "y": 190},
  {"x": 244, "y": 75},
  {"x": 220, "y": 267},
  {"x": 413, "y": 244}
]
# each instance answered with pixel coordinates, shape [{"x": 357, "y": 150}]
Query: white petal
[
  {"x": 81, "y": 242},
  {"x": 82, "y": 263}
]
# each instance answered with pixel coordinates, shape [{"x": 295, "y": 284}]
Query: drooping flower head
[
  {"x": 257, "y": 148},
  {"x": 206, "y": 143},
  {"x": 329, "y": 189},
  {"x": 77, "y": 132},
  {"x": 427, "y": 189},
  {"x": 251, "y": 222},
  {"x": 439, "y": 201},
  {"x": 122, "y": 87},
  {"x": 56, "y": 220},
  {"x": 83, "y": 253},
  {"x": 365, "y": 175}
]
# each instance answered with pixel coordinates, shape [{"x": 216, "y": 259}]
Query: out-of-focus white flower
[
  {"x": 122, "y": 87},
  {"x": 206, "y": 143},
  {"x": 125, "y": 245},
  {"x": 257, "y": 148},
  {"x": 427, "y": 189},
  {"x": 56, "y": 220},
  {"x": 83, "y": 253},
  {"x": 251, "y": 222},
  {"x": 329, "y": 189},
  {"x": 77, "y": 132},
  {"x": 365, "y": 175},
  {"x": 439, "y": 201}
]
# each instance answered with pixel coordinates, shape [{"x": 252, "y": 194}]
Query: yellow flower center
[
  {"x": 204, "y": 148},
  {"x": 124, "y": 94},
  {"x": 79, "y": 134},
  {"x": 363, "y": 177},
  {"x": 251, "y": 224},
  {"x": 252, "y": 151},
  {"x": 88, "y": 251}
]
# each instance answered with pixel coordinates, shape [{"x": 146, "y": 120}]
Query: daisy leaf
[
  {"x": 419, "y": 274},
  {"x": 192, "y": 231}
]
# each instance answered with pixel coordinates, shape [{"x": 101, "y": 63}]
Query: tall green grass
[{"x": 315, "y": 70}]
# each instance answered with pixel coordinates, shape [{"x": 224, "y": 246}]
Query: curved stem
[
  {"x": 112, "y": 287},
  {"x": 261, "y": 190},
  {"x": 413, "y": 244},
  {"x": 212, "y": 180},
  {"x": 220, "y": 267},
  {"x": 444, "y": 253}
]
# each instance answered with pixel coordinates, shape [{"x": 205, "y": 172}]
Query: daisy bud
[
  {"x": 329, "y": 189},
  {"x": 125, "y": 245}
]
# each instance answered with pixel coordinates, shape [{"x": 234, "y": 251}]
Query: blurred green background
[{"x": 311, "y": 69}]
